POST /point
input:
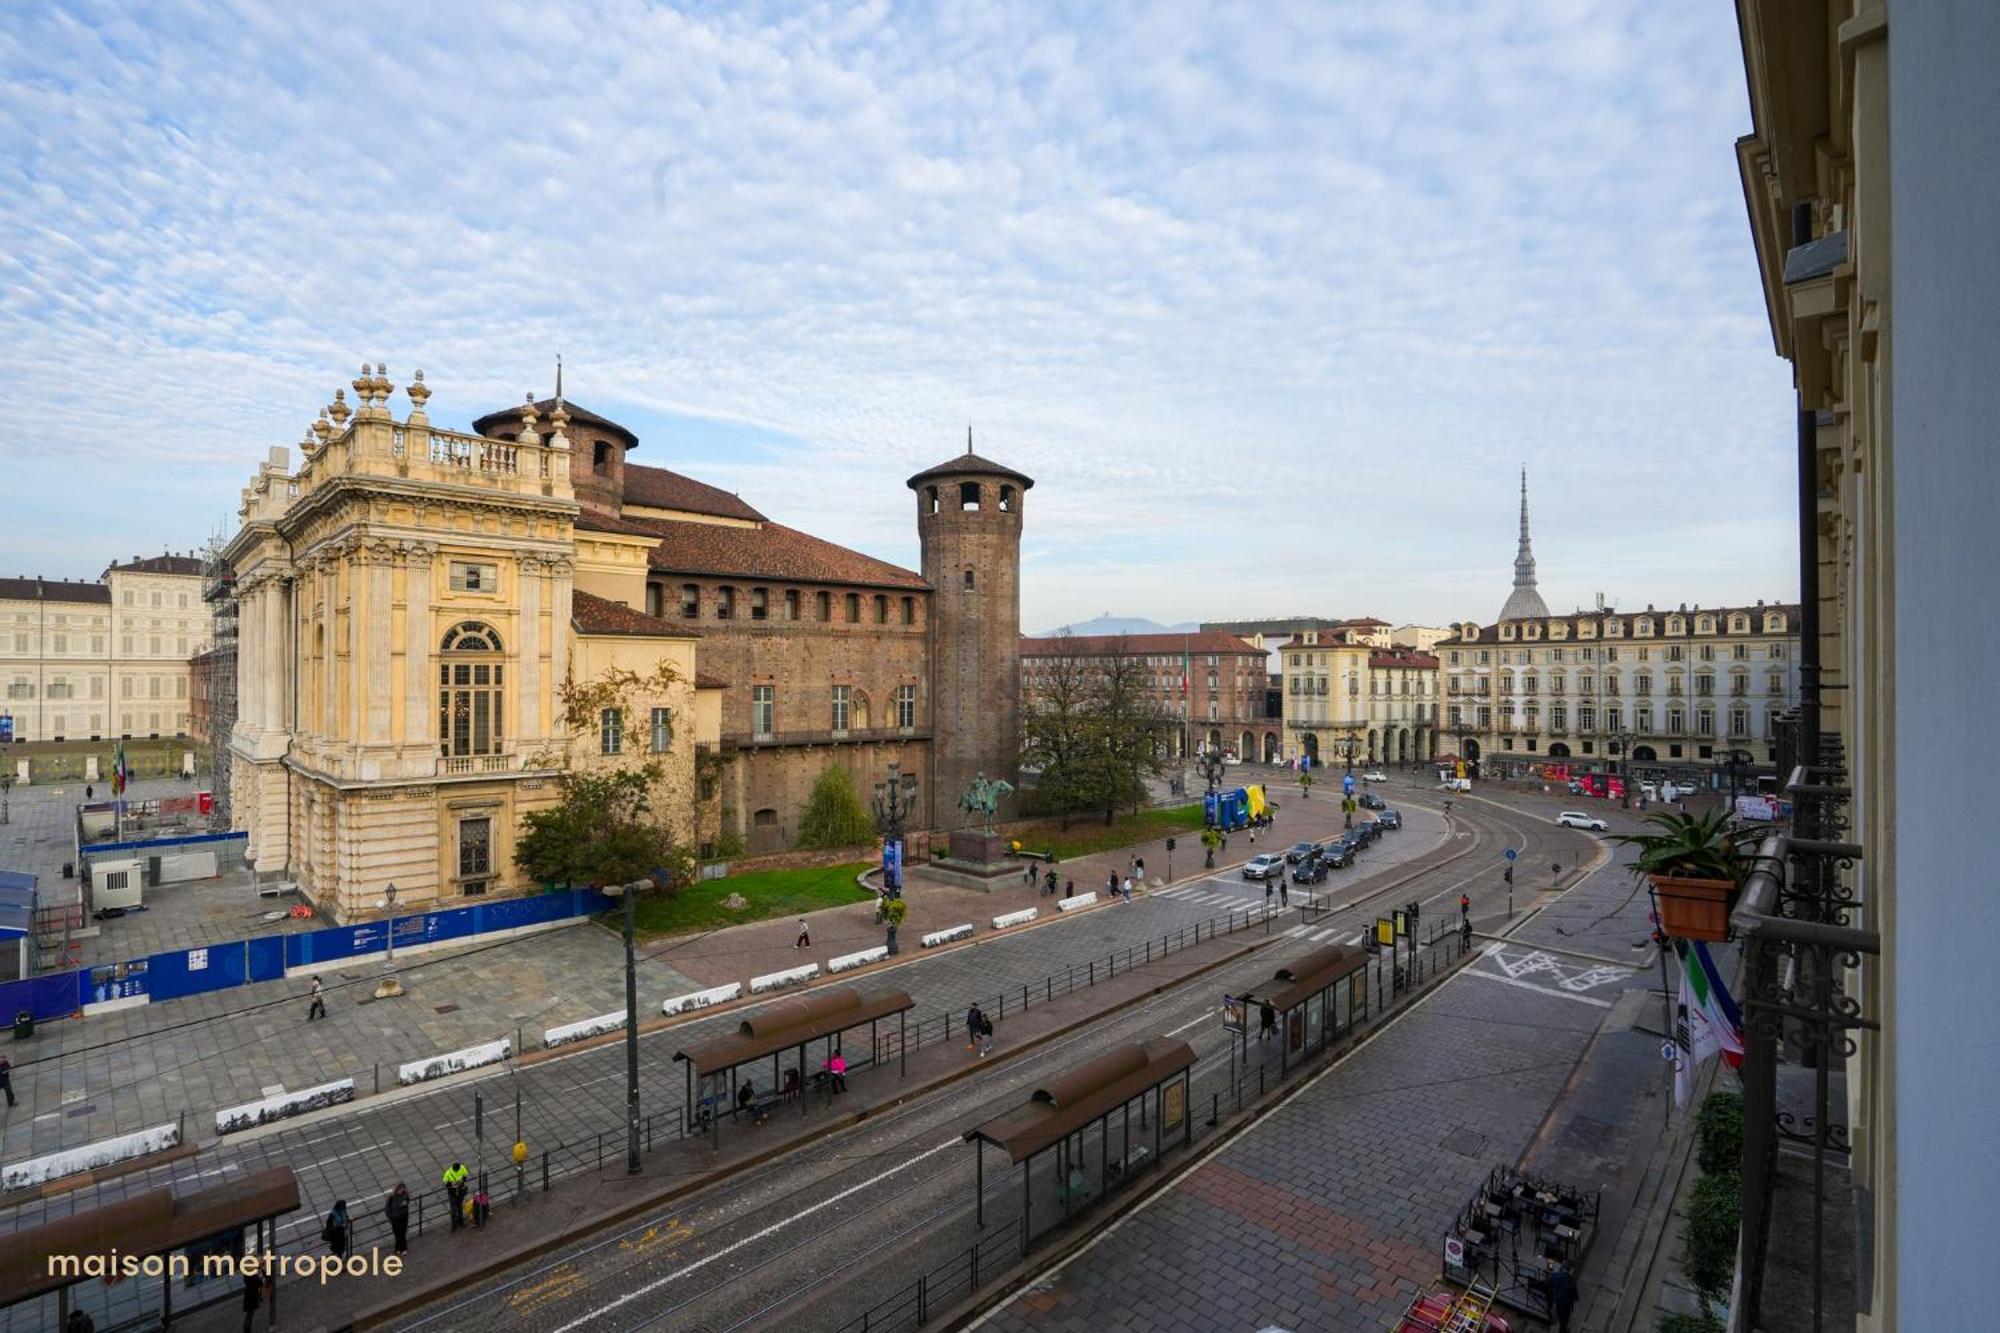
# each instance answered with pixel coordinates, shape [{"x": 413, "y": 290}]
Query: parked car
[
  {"x": 1578, "y": 819},
  {"x": 1335, "y": 854},
  {"x": 1369, "y": 830},
  {"x": 1390, "y": 819},
  {"x": 1310, "y": 870},
  {"x": 1298, "y": 851},
  {"x": 1353, "y": 839},
  {"x": 1374, "y": 775},
  {"x": 1370, "y": 801},
  {"x": 1264, "y": 866}
]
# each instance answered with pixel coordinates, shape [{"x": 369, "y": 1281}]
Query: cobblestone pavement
[
  {"x": 87, "y": 1079},
  {"x": 1330, "y": 1212}
]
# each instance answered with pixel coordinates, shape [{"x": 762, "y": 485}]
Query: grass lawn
[
  {"x": 771, "y": 893},
  {"x": 1088, "y": 833}
]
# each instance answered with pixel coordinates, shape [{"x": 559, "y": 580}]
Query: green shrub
[
  {"x": 834, "y": 814},
  {"x": 1714, "y": 1212},
  {"x": 1691, "y": 1323},
  {"x": 1719, "y": 1134}
]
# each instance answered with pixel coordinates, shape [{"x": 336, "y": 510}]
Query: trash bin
[
  {"x": 24, "y": 1025},
  {"x": 69, "y": 870}
]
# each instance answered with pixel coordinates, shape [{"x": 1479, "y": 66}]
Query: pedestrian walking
[
  {"x": 89, "y": 792},
  {"x": 253, "y": 1299},
  {"x": 1028, "y": 874},
  {"x": 1127, "y": 888},
  {"x": 334, "y": 1230},
  {"x": 1284, "y": 894},
  {"x": 397, "y": 1210},
  {"x": 454, "y": 1190},
  {"x": 1069, "y": 888},
  {"x": 1267, "y": 1021},
  {"x": 482, "y": 1207},
  {"x": 805, "y": 939},
  {"x": 7, "y": 1080},
  {"x": 985, "y": 1036},
  {"x": 1049, "y": 884},
  {"x": 1111, "y": 885},
  {"x": 1465, "y": 906},
  {"x": 973, "y": 1021},
  {"x": 1562, "y": 1294},
  {"x": 317, "y": 1009}
]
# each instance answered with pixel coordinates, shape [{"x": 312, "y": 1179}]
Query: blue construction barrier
[{"x": 53, "y": 995}]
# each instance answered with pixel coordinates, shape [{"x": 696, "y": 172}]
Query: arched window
[
  {"x": 1006, "y": 499},
  {"x": 690, "y": 600},
  {"x": 881, "y": 609},
  {"x": 600, "y": 459},
  {"x": 968, "y": 495},
  {"x": 931, "y": 497},
  {"x": 469, "y": 691},
  {"x": 909, "y": 610}
]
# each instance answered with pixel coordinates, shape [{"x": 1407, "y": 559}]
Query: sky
[{"x": 1271, "y": 300}]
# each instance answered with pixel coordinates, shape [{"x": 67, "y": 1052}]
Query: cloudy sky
[{"x": 1272, "y": 300}]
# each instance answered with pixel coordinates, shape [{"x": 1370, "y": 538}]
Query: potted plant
[
  {"x": 892, "y": 913},
  {"x": 1211, "y": 838},
  {"x": 1696, "y": 863}
]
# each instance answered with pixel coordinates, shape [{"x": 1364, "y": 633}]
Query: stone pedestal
[
  {"x": 977, "y": 861},
  {"x": 976, "y": 848}
]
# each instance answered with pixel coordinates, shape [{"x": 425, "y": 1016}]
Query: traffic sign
[{"x": 1511, "y": 853}]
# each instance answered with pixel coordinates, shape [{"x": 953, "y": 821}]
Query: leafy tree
[
  {"x": 1058, "y": 733},
  {"x": 834, "y": 814},
  {"x": 602, "y": 830},
  {"x": 1129, "y": 727}
]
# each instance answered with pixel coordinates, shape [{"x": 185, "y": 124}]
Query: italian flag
[
  {"x": 1706, "y": 1020},
  {"x": 120, "y": 775}
]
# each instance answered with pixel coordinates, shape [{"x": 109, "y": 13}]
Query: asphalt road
[{"x": 808, "y": 1241}]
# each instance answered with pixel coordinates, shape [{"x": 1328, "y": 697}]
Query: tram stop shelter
[
  {"x": 182, "y": 1233},
  {"x": 781, "y": 1033},
  {"x": 1090, "y": 1130},
  {"x": 1318, "y": 998}
]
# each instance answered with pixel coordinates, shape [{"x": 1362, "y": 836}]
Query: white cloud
[{"x": 1277, "y": 294}]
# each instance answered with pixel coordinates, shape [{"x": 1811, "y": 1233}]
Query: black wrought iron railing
[{"x": 1795, "y": 919}]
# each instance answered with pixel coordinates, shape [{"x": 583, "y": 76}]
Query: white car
[
  {"x": 1578, "y": 819},
  {"x": 1376, "y": 775}
]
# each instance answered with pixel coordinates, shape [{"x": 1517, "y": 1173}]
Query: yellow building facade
[{"x": 425, "y": 647}]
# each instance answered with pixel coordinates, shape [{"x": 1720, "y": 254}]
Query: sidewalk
[{"x": 440, "y": 1262}]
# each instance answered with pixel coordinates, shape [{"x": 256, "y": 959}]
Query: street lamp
[
  {"x": 1738, "y": 762},
  {"x": 6, "y": 798},
  {"x": 630, "y": 893},
  {"x": 895, "y": 800},
  {"x": 1625, "y": 739},
  {"x": 389, "y": 987}
]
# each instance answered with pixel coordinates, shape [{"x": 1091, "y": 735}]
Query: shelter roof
[
  {"x": 791, "y": 1023},
  {"x": 1306, "y": 976},
  {"x": 1085, "y": 1094}
]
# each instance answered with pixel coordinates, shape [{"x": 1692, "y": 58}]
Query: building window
[
  {"x": 600, "y": 459},
  {"x": 156, "y": 599},
  {"x": 762, "y": 705},
  {"x": 97, "y": 644},
  {"x": 931, "y": 498},
  {"x": 1777, "y": 652},
  {"x": 725, "y": 603},
  {"x": 968, "y": 580},
  {"x": 662, "y": 730},
  {"x": 469, "y": 691},
  {"x": 1774, "y": 683},
  {"x": 475, "y": 852},
  {"x": 1006, "y": 499},
  {"x": 1704, "y": 684},
  {"x": 842, "y": 698},
  {"x": 906, "y": 707},
  {"x": 153, "y": 642},
  {"x": 690, "y": 601},
  {"x": 1740, "y": 651},
  {"x": 791, "y": 603},
  {"x": 1739, "y": 722},
  {"x": 760, "y": 603},
  {"x": 610, "y": 731},
  {"x": 968, "y": 496},
  {"x": 881, "y": 609},
  {"x": 822, "y": 606},
  {"x": 655, "y": 600},
  {"x": 467, "y": 576},
  {"x": 909, "y": 610}
]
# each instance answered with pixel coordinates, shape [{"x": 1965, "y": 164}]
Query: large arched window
[{"x": 469, "y": 682}]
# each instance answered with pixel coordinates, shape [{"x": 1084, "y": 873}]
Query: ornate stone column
[{"x": 378, "y": 559}]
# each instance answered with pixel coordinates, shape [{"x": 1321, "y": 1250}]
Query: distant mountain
[{"x": 1110, "y": 624}]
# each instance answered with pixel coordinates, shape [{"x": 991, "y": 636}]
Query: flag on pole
[
  {"x": 1706, "y": 1020},
  {"x": 119, "y": 773}
]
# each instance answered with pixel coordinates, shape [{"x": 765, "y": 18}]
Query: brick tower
[{"x": 969, "y": 521}]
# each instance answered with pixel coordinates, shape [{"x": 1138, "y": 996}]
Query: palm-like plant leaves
[{"x": 1699, "y": 846}]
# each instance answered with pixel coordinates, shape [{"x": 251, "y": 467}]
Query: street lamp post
[
  {"x": 895, "y": 800},
  {"x": 390, "y": 985},
  {"x": 6, "y": 798},
  {"x": 1625, "y": 739},
  {"x": 630, "y": 893}
]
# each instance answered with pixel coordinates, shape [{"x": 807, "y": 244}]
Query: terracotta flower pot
[{"x": 1694, "y": 909}]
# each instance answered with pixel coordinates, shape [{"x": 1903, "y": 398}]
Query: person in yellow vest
[{"x": 454, "y": 1188}]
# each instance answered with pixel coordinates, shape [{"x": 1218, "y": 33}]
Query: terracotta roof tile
[
  {"x": 53, "y": 590},
  {"x": 159, "y": 564},
  {"x": 1096, "y": 645},
  {"x": 969, "y": 464},
  {"x": 1402, "y": 657},
  {"x": 661, "y": 489},
  {"x": 591, "y": 614},
  {"x": 770, "y": 551}
]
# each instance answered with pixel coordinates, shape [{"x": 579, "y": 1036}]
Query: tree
[
  {"x": 1129, "y": 723},
  {"x": 834, "y": 814},
  {"x": 1058, "y": 732},
  {"x": 601, "y": 831}
]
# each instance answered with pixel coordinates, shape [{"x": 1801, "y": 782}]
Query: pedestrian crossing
[{"x": 1195, "y": 893}]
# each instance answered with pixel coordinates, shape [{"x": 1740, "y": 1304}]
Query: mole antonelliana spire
[{"x": 1524, "y": 602}]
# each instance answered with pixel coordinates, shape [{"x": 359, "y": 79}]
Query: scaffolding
[{"x": 218, "y": 680}]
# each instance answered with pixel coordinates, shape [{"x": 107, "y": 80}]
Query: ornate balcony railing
[{"x": 1795, "y": 920}]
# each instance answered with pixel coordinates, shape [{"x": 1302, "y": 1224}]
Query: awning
[
  {"x": 1306, "y": 976},
  {"x": 1084, "y": 1095},
  {"x": 792, "y": 1023},
  {"x": 17, "y": 904}
]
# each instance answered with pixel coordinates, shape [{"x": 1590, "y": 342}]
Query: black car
[
  {"x": 1354, "y": 840},
  {"x": 1335, "y": 854},
  {"x": 1369, "y": 830},
  {"x": 1370, "y": 801},
  {"x": 1309, "y": 870},
  {"x": 1390, "y": 819},
  {"x": 1298, "y": 851}
]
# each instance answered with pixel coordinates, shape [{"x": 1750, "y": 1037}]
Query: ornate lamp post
[
  {"x": 1625, "y": 739},
  {"x": 390, "y": 985},
  {"x": 895, "y": 800},
  {"x": 630, "y": 893}
]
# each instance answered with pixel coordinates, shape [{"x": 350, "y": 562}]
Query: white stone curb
[
  {"x": 947, "y": 935},
  {"x": 701, "y": 999},
  {"x": 589, "y": 1027},
  {"x": 1081, "y": 900},
  {"x": 438, "y": 1066},
  {"x": 796, "y": 976},
  {"x": 846, "y": 962},
  {"x": 1020, "y": 918},
  {"x": 105, "y": 1152},
  {"x": 282, "y": 1105}
]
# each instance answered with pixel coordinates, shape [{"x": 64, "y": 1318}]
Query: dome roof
[{"x": 969, "y": 464}]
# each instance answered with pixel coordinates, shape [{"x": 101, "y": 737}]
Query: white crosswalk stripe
[
  {"x": 1321, "y": 935},
  {"x": 1297, "y": 931}
]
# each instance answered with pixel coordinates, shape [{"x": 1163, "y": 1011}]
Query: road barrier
[
  {"x": 280, "y": 1106},
  {"x": 89, "y": 1157},
  {"x": 701, "y": 999},
  {"x": 1020, "y": 918},
  {"x": 589, "y": 1027},
  {"x": 1081, "y": 900},
  {"x": 795, "y": 976},
  {"x": 947, "y": 935},
  {"x": 849, "y": 961},
  {"x": 438, "y": 1066}
]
